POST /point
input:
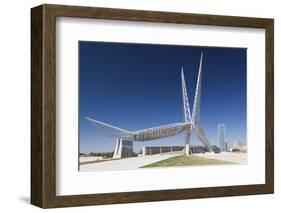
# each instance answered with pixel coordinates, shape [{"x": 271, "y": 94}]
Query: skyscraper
[{"x": 221, "y": 137}]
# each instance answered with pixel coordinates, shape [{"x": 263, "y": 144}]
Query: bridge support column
[
  {"x": 123, "y": 149},
  {"x": 186, "y": 149},
  {"x": 187, "y": 135},
  {"x": 116, "y": 150},
  {"x": 144, "y": 153}
]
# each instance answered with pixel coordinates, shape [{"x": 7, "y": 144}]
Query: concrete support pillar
[
  {"x": 144, "y": 151},
  {"x": 123, "y": 149},
  {"x": 120, "y": 149},
  {"x": 186, "y": 149},
  {"x": 116, "y": 150},
  {"x": 187, "y": 135}
]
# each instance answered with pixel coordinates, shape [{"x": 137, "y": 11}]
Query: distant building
[
  {"x": 238, "y": 146},
  {"x": 221, "y": 137},
  {"x": 226, "y": 146}
]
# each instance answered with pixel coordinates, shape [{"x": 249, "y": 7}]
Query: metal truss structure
[
  {"x": 145, "y": 134},
  {"x": 190, "y": 121}
]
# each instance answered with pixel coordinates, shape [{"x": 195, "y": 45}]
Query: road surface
[
  {"x": 126, "y": 163},
  {"x": 233, "y": 157}
]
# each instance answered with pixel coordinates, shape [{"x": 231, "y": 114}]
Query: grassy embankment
[{"x": 185, "y": 161}]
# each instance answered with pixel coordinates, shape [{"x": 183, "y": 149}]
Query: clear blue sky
[{"x": 137, "y": 86}]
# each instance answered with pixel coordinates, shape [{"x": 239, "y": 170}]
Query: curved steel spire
[
  {"x": 197, "y": 97},
  {"x": 186, "y": 109}
]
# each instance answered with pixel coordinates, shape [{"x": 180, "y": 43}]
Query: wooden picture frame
[{"x": 43, "y": 105}]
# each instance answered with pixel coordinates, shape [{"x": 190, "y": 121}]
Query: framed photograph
[{"x": 136, "y": 106}]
